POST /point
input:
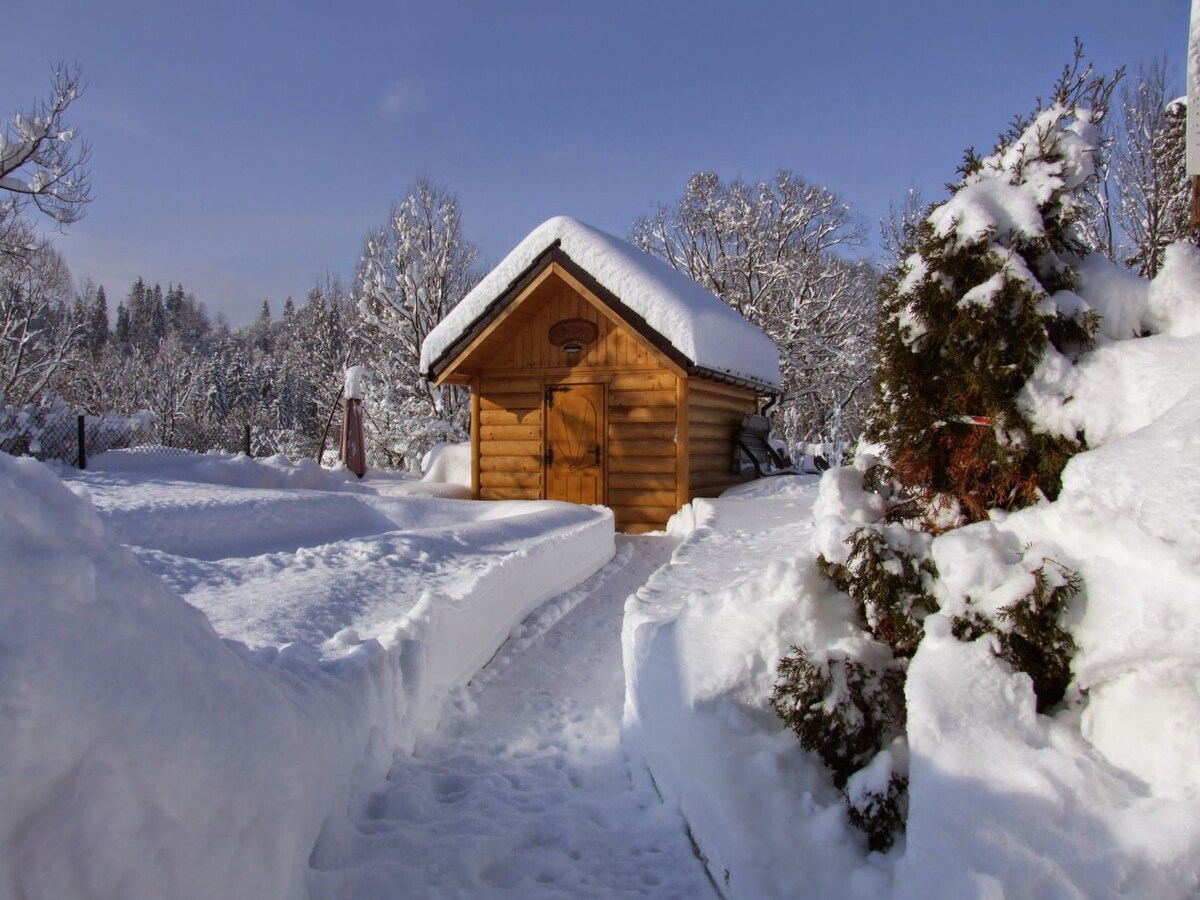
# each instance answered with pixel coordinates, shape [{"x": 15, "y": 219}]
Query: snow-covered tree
[
  {"x": 897, "y": 231},
  {"x": 770, "y": 250},
  {"x": 38, "y": 335},
  {"x": 414, "y": 270},
  {"x": 42, "y": 165},
  {"x": 98, "y": 329},
  {"x": 1151, "y": 171},
  {"x": 969, "y": 314},
  {"x": 984, "y": 293},
  {"x": 316, "y": 343}
]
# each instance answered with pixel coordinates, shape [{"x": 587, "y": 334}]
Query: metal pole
[{"x": 81, "y": 437}]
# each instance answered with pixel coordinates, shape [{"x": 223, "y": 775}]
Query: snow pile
[
  {"x": 1100, "y": 797},
  {"x": 701, "y": 642},
  {"x": 144, "y": 756},
  {"x": 448, "y": 464},
  {"x": 234, "y": 470},
  {"x": 697, "y": 323}
]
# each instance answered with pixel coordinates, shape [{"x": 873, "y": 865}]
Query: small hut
[{"x": 600, "y": 375}]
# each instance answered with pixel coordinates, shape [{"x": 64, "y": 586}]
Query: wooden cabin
[{"x": 600, "y": 375}]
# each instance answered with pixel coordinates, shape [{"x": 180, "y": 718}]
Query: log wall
[
  {"x": 669, "y": 438},
  {"x": 642, "y": 422},
  {"x": 715, "y": 415},
  {"x": 510, "y": 438}
]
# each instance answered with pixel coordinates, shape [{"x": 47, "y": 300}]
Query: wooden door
[{"x": 574, "y": 455}]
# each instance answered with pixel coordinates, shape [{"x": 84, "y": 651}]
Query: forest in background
[{"x": 786, "y": 253}]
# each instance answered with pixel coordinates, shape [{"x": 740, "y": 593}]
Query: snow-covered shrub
[
  {"x": 882, "y": 565},
  {"x": 847, "y": 711},
  {"x": 49, "y": 430},
  {"x": 842, "y": 709},
  {"x": 888, "y": 576},
  {"x": 1029, "y": 632},
  {"x": 877, "y": 795},
  {"x": 985, "y": 294}
]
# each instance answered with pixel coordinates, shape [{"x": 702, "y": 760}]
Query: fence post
[
  {"x": 246, "y": 439},
  {"x": 81, "y": 436}
]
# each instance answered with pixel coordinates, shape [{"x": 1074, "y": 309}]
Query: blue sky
[{"x": 246, "y": 148}]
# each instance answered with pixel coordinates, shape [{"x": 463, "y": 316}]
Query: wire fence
[{"x": 56, "y": 432}]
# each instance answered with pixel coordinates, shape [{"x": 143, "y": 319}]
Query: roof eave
[{"x": 555, "y": 254}]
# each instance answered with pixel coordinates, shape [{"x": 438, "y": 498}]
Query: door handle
[{"x": 596, "y": 453}]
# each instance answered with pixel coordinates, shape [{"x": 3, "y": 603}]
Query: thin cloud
[{"x": 405, "y": 97}]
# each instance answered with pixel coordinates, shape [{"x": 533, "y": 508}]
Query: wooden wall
[
  {"x": 642, "y": 422},
  {"x": 652, "y": 411},
  {"x": 510, "y": 438},
  {"x": 715, "y": 413},
  {"x": 525, "y": 344}
]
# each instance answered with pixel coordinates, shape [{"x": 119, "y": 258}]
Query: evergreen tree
[
  {"x": 173, "y": 307},
  {"x": 99, "y": 320},
  {"x": 967, "y": 317},
  {"x": 123, "y": 330},
  {"x": 980, "y": 295},
  {"x": 260, "y": 331},
  {"x": 156, "y": 317}
]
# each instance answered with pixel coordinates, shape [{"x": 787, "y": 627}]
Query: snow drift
[
  {"x": 1098, "y": 799},
  {"x": 143, "y": 756}
]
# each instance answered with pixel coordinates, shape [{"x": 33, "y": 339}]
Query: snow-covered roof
[{"x": 705, "y": 330}]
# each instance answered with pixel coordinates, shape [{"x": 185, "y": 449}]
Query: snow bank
[
  {"x": 701, "y": 643},
  {"x": 144, "y": 756},
  {"x": 1098, "y": 799},
  {"x": 233, "y": 470},
  {"x": 448, "y": 464},
  {"x": 697, "y": 323}
]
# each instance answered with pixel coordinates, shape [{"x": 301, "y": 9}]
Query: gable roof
[{"x": 690, "y": 324}]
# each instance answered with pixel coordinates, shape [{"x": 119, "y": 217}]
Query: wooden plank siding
[
  {"x": 642, "y": 449},
  {"x": 523, "y": 345},
  {"x": 715, "y": 413},
  {"x": 508, "y": 463},
  {"x": 668, "y": 438}
]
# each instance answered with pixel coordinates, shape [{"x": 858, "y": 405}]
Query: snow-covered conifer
[{"x": 968, "y": 315}]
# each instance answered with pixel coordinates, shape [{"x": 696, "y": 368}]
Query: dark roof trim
[
  {"x": 490, "y": 311},
  {"x": 555, "y": 254}
]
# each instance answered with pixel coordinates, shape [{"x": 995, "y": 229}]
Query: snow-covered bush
[
  {"x": 877, "y": 796},
  {"x": 888, "y": 574},
  {"x": 985, "y": 294},
  {"x": 49, "y": 430},
  {"x": 1029, "y": 633}
]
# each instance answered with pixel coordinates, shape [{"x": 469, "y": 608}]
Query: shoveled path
[{"x": 524, "y": 791}]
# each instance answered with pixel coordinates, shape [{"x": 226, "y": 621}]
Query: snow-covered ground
[
  {"x": 145, "y": 754},
  {"x": 524, "y": 791}
]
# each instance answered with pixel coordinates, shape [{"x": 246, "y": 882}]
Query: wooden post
[
  {"x": 1195, "y": 223},
  {"x": 81, "y": 437},
  {"x": 351, "y": 448},
  {"x": 246, "y": 439}
]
